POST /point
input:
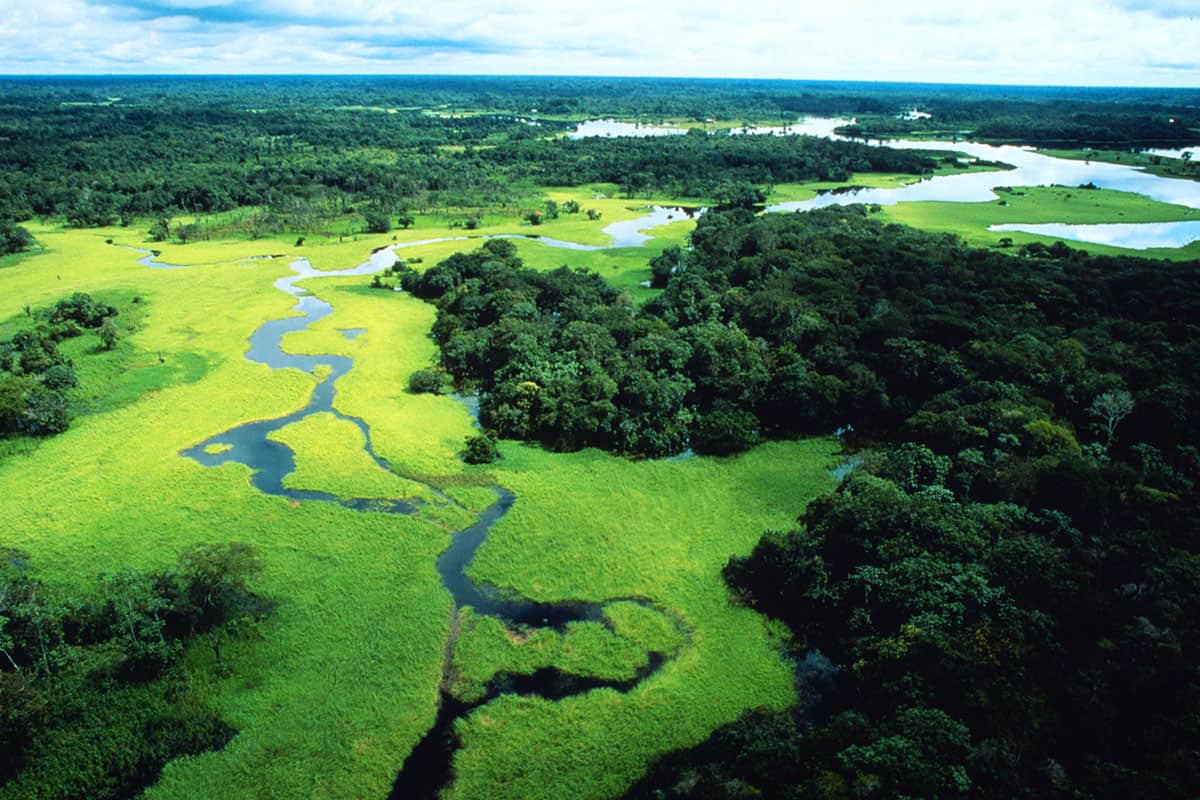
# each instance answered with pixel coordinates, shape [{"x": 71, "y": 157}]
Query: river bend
[{"x": 429, "y": 767}]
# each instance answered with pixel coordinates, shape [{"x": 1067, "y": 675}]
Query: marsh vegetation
[{"x": 255, "y": 544}]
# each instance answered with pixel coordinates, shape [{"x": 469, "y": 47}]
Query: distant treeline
[
  {"x": 308, "y": 151},
  {"x": 103, "y": 165},
  {"x": 696, "y": 165},
  {"x": 1076, "y": 125},
  {"x": 590, "y": 96}
]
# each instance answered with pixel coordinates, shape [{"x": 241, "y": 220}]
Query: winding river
[
  {"x": 429, "y": 767},
  {"x": 1031, "y": 168}
]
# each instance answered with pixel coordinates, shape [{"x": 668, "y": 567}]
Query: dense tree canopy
[
  {"x": 1007, "y": 584},
  {"x": 999, "y": 600},
  {"x": 94, "y": 695},
  {"x": 97, "y": 166},
  {"x": 787, "y": 324},
  {"x": 1005, "y": 587},
  {"x": 714, "y": 166},
  {"x": 303, "y": 152},
  {"x": 35, "y": 377}
]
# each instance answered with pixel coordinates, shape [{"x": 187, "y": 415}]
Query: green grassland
[
  {"x": 596, "y": 527},
  {"x": 1154, "y": 164},
  {"x": 507, "y": 218},
  {"x": 334, "y": 460},
  {"x": 344, "y": 679},
  {"x": 799, "y": 192},
  {"x": 485, "y": 647},
  {"x": 113, "y": 491},
  {"x": 1046, "y": 204},
  {"x": 112, "y": 378}
]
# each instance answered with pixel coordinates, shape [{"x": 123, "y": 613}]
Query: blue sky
[{"x": 1083, "y": 42}]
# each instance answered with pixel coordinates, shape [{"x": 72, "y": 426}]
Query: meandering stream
[{"x": 430, "y": 765}]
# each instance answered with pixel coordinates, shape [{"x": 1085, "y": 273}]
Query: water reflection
[
  {"x": 805, "y": 126},
  {"x": 1031, "y": 168},
  {"x": 1177, "y": 152},
  {"x": 1135, "y": 236}
]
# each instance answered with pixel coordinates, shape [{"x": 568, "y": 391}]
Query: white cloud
[{"x": 1127, "y": 42}]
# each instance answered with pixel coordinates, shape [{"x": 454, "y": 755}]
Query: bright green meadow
[
  {"x": 1039, "y": 204},
  {"x": 345, "y": 679}
]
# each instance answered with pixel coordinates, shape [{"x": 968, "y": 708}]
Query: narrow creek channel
[{"x": 429, "y": 767}]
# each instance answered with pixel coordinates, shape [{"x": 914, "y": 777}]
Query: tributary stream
[{"x": 430, "y": 765}]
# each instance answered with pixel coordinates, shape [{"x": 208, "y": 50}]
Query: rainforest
[{"x": 596, "y": 438}]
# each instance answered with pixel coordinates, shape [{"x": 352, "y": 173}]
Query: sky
[{"x": 1057, "y": 42}]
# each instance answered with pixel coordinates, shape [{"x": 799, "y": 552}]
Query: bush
[
  {"x": 481, "y": 449},
  {"x": 377, "y": 221},
  {"x": 160, "y": 231},
  {"x": 28, "y": 407},
  {"x": 46, "y": 413},
  {"x": 109, "y": 334},
  {"x": 82, "y": 309},
  {"x": 725, "y": 430},
  {"x": 60, "y": 377},
  {"x": 427, "y": 381},
  {"x": 13, "y": 238}
]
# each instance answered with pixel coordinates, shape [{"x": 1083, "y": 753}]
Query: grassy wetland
[
  {"x": 530, "y": 506},
  {"x": 364, "y": 617}
]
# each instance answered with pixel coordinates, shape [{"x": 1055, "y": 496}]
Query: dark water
[{"x": 430, "y": 765}]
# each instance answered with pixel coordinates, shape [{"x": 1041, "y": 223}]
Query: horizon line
[{"x": 535, "y": 76}]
